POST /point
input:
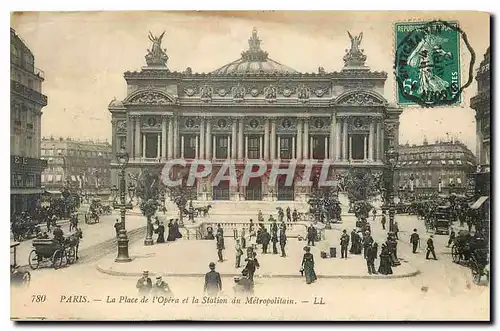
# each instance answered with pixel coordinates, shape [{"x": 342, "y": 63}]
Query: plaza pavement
[{"x": 189, "y": 258}]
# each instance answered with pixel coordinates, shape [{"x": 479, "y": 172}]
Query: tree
[
  {"x": 361, "y": 185},
  {"x": 148, "y": 185},
  {"x": 179, "y": 197}
]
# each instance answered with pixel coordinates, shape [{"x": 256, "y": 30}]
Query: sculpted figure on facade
[
  {"x": 150, "y": 98},
  {"x": 121, "y": 127},
  {"x": 355, "y": 56},
  {"x": 270, "y": 93},
  {"x": 303, "y": 93},
  {"x": 238, "y": 92},
  {"x": 157, "y": 55},
  {"x": 206, "y": 93}
]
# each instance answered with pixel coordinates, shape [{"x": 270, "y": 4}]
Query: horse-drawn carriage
[
  {"x": 23, "y": 229},
  {"x": 18, "y": 275},
  {"x": 94, "y": 212},
  {"x": 472, "y": 250},
  {"x": 58, "y": 252},
  {"x": 440, "y": 221}
]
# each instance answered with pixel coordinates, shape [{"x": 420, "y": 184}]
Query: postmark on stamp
[{"x": 427, "y": 63}]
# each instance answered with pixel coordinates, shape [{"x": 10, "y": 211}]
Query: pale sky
[{"x": 84, "y": 56}]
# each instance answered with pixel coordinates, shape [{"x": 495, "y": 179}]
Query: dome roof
[{"x": 254, "y": 60}]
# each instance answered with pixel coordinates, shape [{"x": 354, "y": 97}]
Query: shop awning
[{"x": 479, "y": 202}]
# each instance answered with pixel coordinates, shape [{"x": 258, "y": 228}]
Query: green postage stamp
[{"x": 427, "y": 63}]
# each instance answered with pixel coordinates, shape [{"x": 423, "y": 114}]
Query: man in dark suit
[
  {"x": 274, "y": 237},
  {"x": 213, "y": 282},
  {"x": 282, "y": 242},
  {"x": 266, "y": 238},
  {"x": 144, "y": 284},
  {"x": 344, "y": 243},
  {"x": 414, "y": 240},
  {"x": 430, "y": 248}
]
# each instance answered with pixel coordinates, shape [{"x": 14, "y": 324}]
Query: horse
[{"x": 203, "y": 211}]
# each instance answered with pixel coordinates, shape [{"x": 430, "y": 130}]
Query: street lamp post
[
  {"x": 123, "y": 256},
  {"x": 391, "y": 161}
]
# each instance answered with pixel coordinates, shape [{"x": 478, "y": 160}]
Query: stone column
[
  {"x": 326, "y": 147},
  {"x": 370, "y": 141},
  {"x": 364, "y": 147},
  {"x": 331, "y": 148},
  {"x": 130, "y": 136},
  {"x": 273, "y": 139},
  {"x": 214, "y": 147},
  {"x": 240, "y": 139},
  {"x": 208, "y": 141},
  {"x": 170, "y": 140},
  {"x": 113, "y": 138},
  {"x": 164, "y": 137},
  {"x": 278, "y": 155},
  {"x": 344, "y": 140},
  {"x": 246, "y": 147},
  {"x": 138, "y": 138},
  {"x": 311, "y": 148},
  {"x": 202, "y": 138},
  {"x": 350, "y": 148},
  {"x": 233, "y": 140},
  {"x": 158, "y": 146},
  {"x": 266, "y": 139},
  {"x": 182, "y": 146},
  {"x": 306, "y": 140},
  {"x": 299, "y": 139},
  {"x": 197, "y": 146},
  {"x": 261, "y": 153},
  {"x": 293, "y": 148},
  {"x": 229, "y": 147},
  {"x": 381, "y": 143},
  {"x": 176, "y": 137},
  {"x": 338, "y": 129},
  {"x": 144, "y": 145}
]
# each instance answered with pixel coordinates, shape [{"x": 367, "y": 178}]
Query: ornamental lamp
[{"x": 123, "y": 158}]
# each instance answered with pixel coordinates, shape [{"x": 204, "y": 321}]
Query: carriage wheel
[
  {"x": 476, "y": 272},
  {"x": 26, "y": 279},
  {"x": 57, "y": 259},
  {"x": 33, "y": 260},
  {"x": 455, "y": 254},
  {"x": 71, "y": 255}
]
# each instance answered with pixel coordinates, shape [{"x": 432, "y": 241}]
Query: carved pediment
[
  {"x": 149, "y": 98},
  {"x": 360, "y": 98}
]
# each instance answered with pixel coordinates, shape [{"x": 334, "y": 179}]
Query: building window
[
  {"x": 30, "y": 180},
  {"x": 319, "y": 148},
  {"x": 286, "y": 148},
  {"x": 253, "y": 147},
  {"x": 190, "y": 147},
  {"x": 221, "y": 147},
  {"x": 17, "y": 180}
]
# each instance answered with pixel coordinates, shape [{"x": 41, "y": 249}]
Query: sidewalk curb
[{"x": 139, "y": 274}]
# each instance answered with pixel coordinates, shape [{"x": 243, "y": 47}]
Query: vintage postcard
[{"x": 250, "y": 166}]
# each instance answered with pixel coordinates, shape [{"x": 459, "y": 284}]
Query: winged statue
[
  {"x": 156, "y": 55},
  {"x": 355, "y": 42},
  {"x": 423, "y": 58}
]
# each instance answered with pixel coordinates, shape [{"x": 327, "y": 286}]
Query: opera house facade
[{"x": 254, "y": 108}]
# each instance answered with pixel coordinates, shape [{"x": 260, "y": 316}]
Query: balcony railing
[{"x": 28, "y": 93}]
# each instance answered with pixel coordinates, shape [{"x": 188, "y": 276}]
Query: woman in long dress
[
  {"x": 171, "y": 231},
  {"x": 385, "y": 261},
  {"x": 177, "y": 233},
  {"x": 161, "y": 233},
  {"x": 308, "y": 265}
]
